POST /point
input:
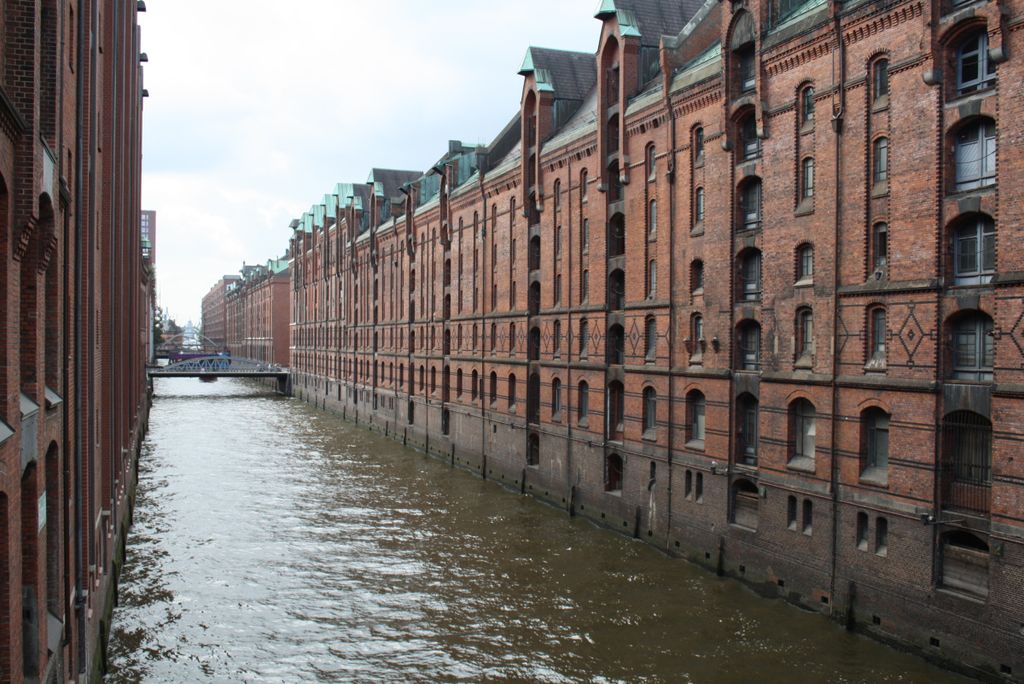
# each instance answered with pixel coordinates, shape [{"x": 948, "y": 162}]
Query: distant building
[
  {"x": 215, "y": 312},
  {"x": 259, "y": 312},
  {"x": 149, "y": 236}
]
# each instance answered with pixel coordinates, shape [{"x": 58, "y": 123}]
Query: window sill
[
  {"x": 875, "y": 365},
  {"x": 804, "y": 282},
  {"x": 583, "y": 423},
  {"x": 879, "y": 477},
  {"x": 695, "y": 444},
  {"x": 807, "y": 127},
  {"x": 805, "y": 362},
  {"x": 803, "y": 464},
  {"x": 880, "y": 189},
  {"x": 650, "y": 435},
  {"x": 697, "y": 230},
  {"x": 880, "y": 104},
  {"x": 805, "y": 207},
  {"x": 698, "y": 163}
]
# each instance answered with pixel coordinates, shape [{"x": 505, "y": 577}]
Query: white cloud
[{"x": 257, "y": 109}]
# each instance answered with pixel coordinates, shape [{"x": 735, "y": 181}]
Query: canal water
[{"x": 273, "y": 542}]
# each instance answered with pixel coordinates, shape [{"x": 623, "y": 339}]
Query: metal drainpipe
[
  {"x": 837, "y": 127},
  {"x": 671, "y": 173},
  {"x": 568, "y": 348},
  {"x": 480, "y": 301}
]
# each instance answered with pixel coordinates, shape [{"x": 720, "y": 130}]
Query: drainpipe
[
  {"x": 568, "y": 347},
  {"x": 837, "y": 127},
  {"x": 670, "y": 161}
]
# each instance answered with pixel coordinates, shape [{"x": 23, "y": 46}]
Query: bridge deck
[{"x": 159, "y": 373}]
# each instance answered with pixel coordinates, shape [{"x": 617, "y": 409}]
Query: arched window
[
  {"x": 494, "y": 336},
  {"x": 585, "y": 236},
  {"x": 650, "y": 338},
  {"x": 613, "y": 473},
  {"x": 511, "y": 390},
  {"x": 876, "y": 338},
  {"x": 807, "y": 179},
  {"x": 750, "y": 205},
  {"x": 698, "y": 205},
  {"x": 458, "y": 382},
  {"x": 750, "y": 275},
  {"x": 652, "y": 279},
  {"x": 652, "y": 219},
  {"x": 880, "y": 79},
  {"x": 874, "y": 440},
  {"x": 616, "y": 236},
  {"x": 804, "y": 263},
  {"x": 616, "y": 290},
  {"x": 746, "y": 69},
  {"x": 750, "y": 144},
  {"x": 974, "y": 154},
  {"x": 584, "y": 340},
  {"x": 696, "y": 406},
  {"x": 697, "y": 332},
  {"x": 494, "y": 387},
  {"x": 650, "y": 160},
  {"x": 557, "y": 198},
  {"x": 880, "y": 161},
  {"x": 512, "y": 338},
  {"x": 807, "y": 106},
  {"x": 749, "y": 346},
  {"x": 615, "y": 410},
  {"x": 804, "y": 333},
  {"x": 802, "y": 430},
  {"x": 698, "y": 145},
  {"x": 973, "y": 347},
  {"x": 879, "y": 247},
  {"x": 582, "y": 401},
  {"x": 556, "y": 399},
  {"x": 974, "y": 70},
  {"x": 696, "y": 277},
  {"x": 474, "y": 388},
  {"x": 616, "y": 345},
  {"x": 556, "y": 336},
  {"x": 533, "y": 345},
  {"x": 584, "y": 285},
  {"x": 583, "y": 185},
  {"x": 974, "y": 251},
  {"x": 650, "y": 411},
  {"x": 746, "y": 429},
  {"x": 966, "y": 462},
  {"x": 533, "y": 398}
]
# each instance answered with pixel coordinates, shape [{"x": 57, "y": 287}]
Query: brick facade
[
  {"x": 215, "y": 311},
  {"x": 258, "y": 313},
  {"x": 75, "y": 326},
  {"x": 742, "y": 283}
]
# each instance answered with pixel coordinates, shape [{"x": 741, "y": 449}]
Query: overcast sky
[{"x": 257, "y": 109}]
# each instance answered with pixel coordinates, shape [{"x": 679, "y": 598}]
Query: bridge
[
  {"x": 187, "y": 346},
  {"x": 220, "y": 366}
]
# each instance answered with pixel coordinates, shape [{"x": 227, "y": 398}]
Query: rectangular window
[
  {"x": 862, "y": 531},
  {"x": 881, "y": 169},
  {"x": 881, "y": 536}
]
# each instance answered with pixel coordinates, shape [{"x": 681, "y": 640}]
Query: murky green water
[{"x": 277, "y": 543}]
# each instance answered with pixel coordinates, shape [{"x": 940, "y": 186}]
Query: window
[
  {"x": 804, "y": 333},
  {"x": 807, "y": 179},
  {"x": 557, "y": 199},
  {"x": 494, "y": 336},
  {"x": 974, "y": 250},
  {"x": 458, "y": 382},
  {"x": 973, "y": 347},
  {"x": 652, "y": 219},
  {"x": 746, "y": 70},
  {"x": 802, "y": 432},
  {"x": 876, "y": 336},
  {"x": 494, "y": 387},
  {"x": 807, "y": 105},
  {"x": 473, "y": 388},
  {"x": 582, "y": 401},
  {"x": 697, "y": 276},
  {"x": 881, "y": 536},
  {"x": 556, "y": 399},
  {"x": 583, "y": 186},
  {"x": 512, "y": 338},
  {"x": 615, "y": 346},
  {"x": 557, "y": 294},
  {"x": 875, "y": 444},
  {"x": 973, "y": 69},
  {"x": 698, "y": 145},
  {"x": 750, "y": 275},
  {"x": 750, "y": 346},
  {"x": 688, "y": 486},
  {"x": 696, "y": 406},
  {"x": 966, "y": 462},
  {"x": 698, "y": 205},
  {"x": 556, "y": 337},
  {"x": 746, "y": 432},
  {"x": 750, "y": 144},
  {"x": 511, "y": 390},
  {"x": 584, "y": 285},
  {"x": 880, "y": 161},
  {"x": 804, "y": 263},
  {"x": 750, "y": 205},
  {"x": 974, "y": 153},
  {"x": 879, "y": 247},
  {"x": 697, "y": 332},
  {"x": 808, "y": 517},
  {"x": 615, "y": 410},
  {"x": 650, "y": 417},
  {"x": 652, "y": 279},
  {"x": 862, "y": 531},
  {"x": 965, "y": 563},
  {"x": 699, "y": 488},
  {"x": 533, "y": 450},
  {"x": 650, "y": 338},
  {"x": 585, "y": 236},
  {"x": 651, "y": 162},
  {"x": 745, "y": 503},
  {"x": 880, "y": 79},
  {"x": 613, "y": 473},
  {"x": 616, "y": 290},
  {"x": 791, "y": 512},
  {"x": 584, "y": 338}
]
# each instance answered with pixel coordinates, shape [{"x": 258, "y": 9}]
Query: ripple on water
[{"x": 276, "y": 543}]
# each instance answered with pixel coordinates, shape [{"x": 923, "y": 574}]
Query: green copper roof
[
  {"x": 606, "y": 7},
  {"x": 628, "y": 25},
  {"x": 331, "y": 205},
  {"x": 527, "y": 66}
]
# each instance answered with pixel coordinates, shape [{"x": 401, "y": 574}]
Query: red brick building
[
  {"x": 258, "y": 312},
  {"x": 215, "y": 312},
  {"x": 743, "y": 284},
  {"x": 148, "y": 225},
  {"x": 75, "y": 327}
]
